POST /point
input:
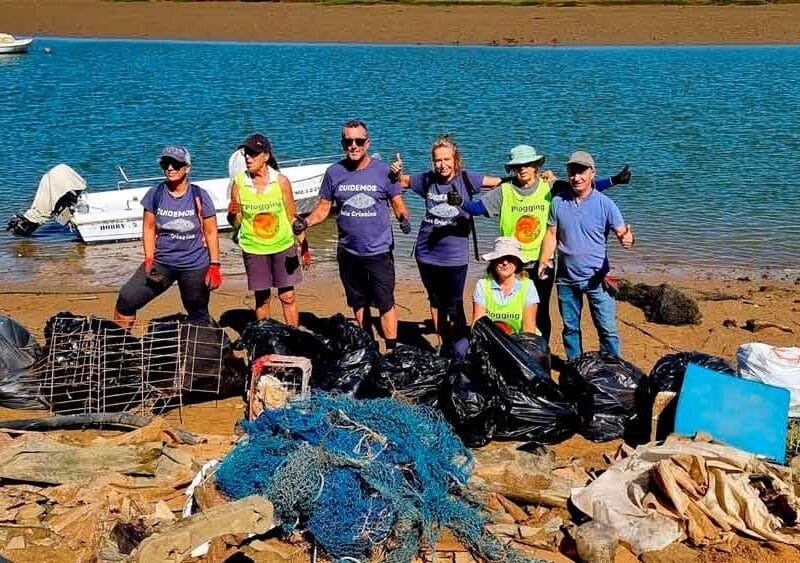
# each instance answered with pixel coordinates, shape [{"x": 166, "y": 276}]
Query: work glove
[
  {"x": 213, "y": 276},
  {"x": 405, "y": 225},
  {"x": 623, "y": 176},
  {"x": 305, "y": 253},
  {"x": 153, "y": 277},
  {"x": 299, "y": 225},
  {"x": 544, "y": 269},
  {"x": 454, "y": 198}
]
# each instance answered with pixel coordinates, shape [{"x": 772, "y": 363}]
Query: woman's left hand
[{"x": 305, "y": 253}]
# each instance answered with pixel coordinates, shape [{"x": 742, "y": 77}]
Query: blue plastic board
[{"x": 744, "y": 414}]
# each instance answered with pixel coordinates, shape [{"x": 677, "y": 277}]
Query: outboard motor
[{"x": 55, "y": 198}]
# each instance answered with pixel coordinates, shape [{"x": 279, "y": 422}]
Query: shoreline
[
  {"x": 403, "y": 24},
  {"x": 725, "y": 307}
]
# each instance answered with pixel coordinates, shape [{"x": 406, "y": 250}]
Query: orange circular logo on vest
[
  {"x": 265, "y": 225},
  {"x": 527, "y": 229}
]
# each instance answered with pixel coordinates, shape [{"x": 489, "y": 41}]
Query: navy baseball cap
[{"x": 178, "y": 153}]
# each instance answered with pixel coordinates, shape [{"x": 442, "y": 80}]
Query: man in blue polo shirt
[{"x": 579, "y": 223}]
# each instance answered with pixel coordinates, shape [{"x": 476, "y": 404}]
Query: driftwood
[
  {"x": 72, "y": 421},
  {"x": 755, "y": 326},
  {"x": 526, "y": 477},
  {"x": 250, "y": 515}
]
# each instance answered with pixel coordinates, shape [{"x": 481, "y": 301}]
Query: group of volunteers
[{"x": 552, "y": 232}]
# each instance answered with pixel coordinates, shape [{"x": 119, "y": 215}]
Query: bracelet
[{"x": 214, "y": 264}]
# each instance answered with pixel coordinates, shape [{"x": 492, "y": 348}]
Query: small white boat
[
  {"x": 9, "y": 45},
  {"x": 116, "y": 215}
]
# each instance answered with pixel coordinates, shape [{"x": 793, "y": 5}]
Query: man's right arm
[
  {"x": 548, "y": 251},
  {"x": 320, "y": 212}
]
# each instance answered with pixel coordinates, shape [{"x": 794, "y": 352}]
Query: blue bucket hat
[{"x": 524, "y": 154}]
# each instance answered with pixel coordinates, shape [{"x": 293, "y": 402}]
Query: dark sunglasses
[
  {"x": 360, "y": 141},
  {"x": 251, "y": 153},
  {"x": 167, "y": 162}
]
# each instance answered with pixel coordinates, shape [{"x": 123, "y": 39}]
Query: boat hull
[
  {"x": 116, "y": 215},
  {"x": 15, "y": 47}
]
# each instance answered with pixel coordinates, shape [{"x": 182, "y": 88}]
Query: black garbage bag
[
  {"x": 349, "y": 359},
  {"x": 667, "y": 375},
  {"x": 610, "y": 394},
  {"x": 80, "y": 348},
  {"x": 269, "y": 336},
  {"x": 536, "y": 347},
  {"x": 412, "y": 373},
  {"x": 506, "y": 362},
  {"x": 517, "y": 395},
  {"x": 199, "y": 359},
  {"x": 470, "y": 404},
  {"x": 19, "y": 351},
  {"x": 524, "y": 416}
]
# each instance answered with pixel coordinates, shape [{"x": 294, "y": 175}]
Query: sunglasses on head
[
  {"x": 167, "y": 162},
  {"x": 359, "y": 141}
]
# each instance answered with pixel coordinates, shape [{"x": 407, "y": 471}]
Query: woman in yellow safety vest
[
  {"x": 506, "y": 294},
  {"x": 262, "y": 207}
]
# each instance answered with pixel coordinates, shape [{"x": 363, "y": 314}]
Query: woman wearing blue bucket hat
[{"x": 523, "y": 205}]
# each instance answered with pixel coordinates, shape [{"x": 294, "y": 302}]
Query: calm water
[{"x": 712, "y": 133}]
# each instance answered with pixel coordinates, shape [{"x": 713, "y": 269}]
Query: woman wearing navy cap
[{"x": 179, "y": 235}]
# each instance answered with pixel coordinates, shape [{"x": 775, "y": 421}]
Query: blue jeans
[{"x": 604, "y": 315}]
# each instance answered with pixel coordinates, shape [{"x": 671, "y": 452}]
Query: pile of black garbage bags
[{"x": 502, "y": 390}]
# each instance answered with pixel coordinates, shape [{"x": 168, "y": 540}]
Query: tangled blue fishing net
[{"x": 365, "y": 478}]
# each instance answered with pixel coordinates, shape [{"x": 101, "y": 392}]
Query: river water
[{"x": 712, "y": 133}]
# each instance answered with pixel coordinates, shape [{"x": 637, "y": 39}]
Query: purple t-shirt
[
  {"x": 443, "y": 238},
  {"x": 582, "y": 229},
  {"x": 179, "y": 235},
  {"x": 362, "y": 199}
]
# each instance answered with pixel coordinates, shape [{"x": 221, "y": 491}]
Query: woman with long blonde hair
[{"x": 442, "y": 245}]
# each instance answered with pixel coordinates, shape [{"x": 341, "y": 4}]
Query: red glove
[
  {"x": 213, "y": 276},
  {"x": 148, "y": 265},
  {"x": 305, "y": 251}
]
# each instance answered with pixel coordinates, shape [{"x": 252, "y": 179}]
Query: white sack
[{"x": 774, "y": 366}]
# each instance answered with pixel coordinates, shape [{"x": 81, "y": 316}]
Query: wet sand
[{"x": 484, "y": 25}]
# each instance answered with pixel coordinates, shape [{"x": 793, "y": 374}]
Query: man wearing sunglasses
[{"x": 362, "y": 189}]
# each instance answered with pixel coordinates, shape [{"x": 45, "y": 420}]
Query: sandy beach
[
  {"x": 86, "y": 281},
  {"x": 483, "y": 25}
]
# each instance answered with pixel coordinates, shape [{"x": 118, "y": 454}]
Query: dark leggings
[
  {"x": 445, "y": 288},
  {"x": 544, "y": 287},
  {"x": 137, "y": 292}
]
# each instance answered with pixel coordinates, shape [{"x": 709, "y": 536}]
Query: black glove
[
  {"x": 405, "y": 226},
  {"x": 454, "y": 198},
  {"x": 299, "y": 225},
  {"x": 622, "y": 177}
]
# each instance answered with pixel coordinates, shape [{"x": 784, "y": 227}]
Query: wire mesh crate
[
  {"x": 93, "y": 366},
  {"x": 275, "y": 380}
]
